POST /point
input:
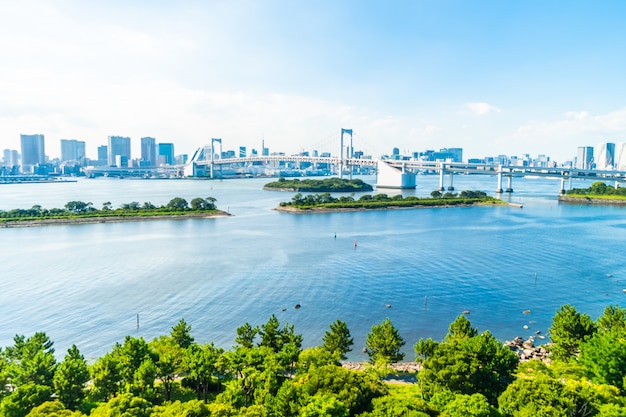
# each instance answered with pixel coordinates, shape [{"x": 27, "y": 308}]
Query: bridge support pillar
[
  {"x": 562, "y": 190},
  {"x": 509, "y": 188},
  {"x": 451, "y": 186},
  {"x": 499, "y": 186},
  {"x": 441, "y": 173}
]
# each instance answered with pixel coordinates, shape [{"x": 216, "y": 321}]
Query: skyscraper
[
  {"x": 584, "y": 159},
  {"x": 620, "y": 156},
  {"x": 33, "y": 151},
  {"x": 166, "y": 153},
  {"x": 148, "y": 151},
  {"x": 72, "y": 150},
  {"x": 605, "y": 155},
  {"x": 118, "y": 146}
]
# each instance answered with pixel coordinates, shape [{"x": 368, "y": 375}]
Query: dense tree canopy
[{"x": 268, "y": 374}]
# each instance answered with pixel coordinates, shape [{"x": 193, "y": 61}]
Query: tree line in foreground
[{"x": 267, "y": 373}]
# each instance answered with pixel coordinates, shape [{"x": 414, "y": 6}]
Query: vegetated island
[
  {"x": 598, "y": 193},
  {"x": 80, "y": 212},
  {"x": 325, "y": 202},
  {"x": 334, "y": 184}
]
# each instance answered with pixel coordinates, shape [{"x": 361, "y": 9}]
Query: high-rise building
[
  {"x": 166, "y": 153},
  {"x": 584, "y": 158},
  {"x": 118, "y": 145},
  {"x": 33, "y": 151},
  {"x": 605, "y": 155},
  {"x": 11, "y": 158},
  {"x": 149, "y": 151},
  {"x": 242, "y": 151},
  {"x": 72, "y": 149},
  {"x": 620, "y": 156}
]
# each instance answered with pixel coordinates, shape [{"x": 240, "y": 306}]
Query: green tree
[
  {"x": 193, "y": 408},
  {"x": 25, "y": 398},
  {"x": 468, "y": 365},
  {"x": 425, "y": 348},
  {"x": 124, "y": 405},
  {"x": 200, "y": 363},
  {"x": 181, "y": 333},
  {"x": 245, "y": 335},
  {"x": 604, "y": 357},
  {"x": 614, "y": 318},
  {"x": 475, "y": 405},
  {"x": 31, "y": 360},
  {"x": 436, "y": 194},
  {"x": 169, "y": 363},
  {"x": 384, "y": 343},
  {"x": 324, "y": 405},
  {"x": 178, "y": 204},
  {"x": 355, "y": 390},
  {"x": 70, "y": 379},
  {"x": 569, "y": 328},
  {"x": 78, "y": 206},
  {"x": 338, "y": 339},
  {"x": 136, "y": 364},
  {"x": 460, "y": 330},
  {"x": 105, "y": 377},
  {"x": 53, "y": 409},
  {"x": 315, "y": 357}
]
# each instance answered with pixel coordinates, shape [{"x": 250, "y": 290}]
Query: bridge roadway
[
  {"x": 434, "y": 167},
  {"x": 442, "y": 168}
]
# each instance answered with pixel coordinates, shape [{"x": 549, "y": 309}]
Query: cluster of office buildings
[
  {"x": 606, "y": 156},
  {"x": 116, "y": 153}
]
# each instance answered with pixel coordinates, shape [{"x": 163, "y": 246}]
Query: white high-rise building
[
  {"x": 605, "y": 156},
  {"x": 620, "y": 156}
]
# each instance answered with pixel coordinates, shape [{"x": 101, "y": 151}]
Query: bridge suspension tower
[{"x": 349, "y": 153}]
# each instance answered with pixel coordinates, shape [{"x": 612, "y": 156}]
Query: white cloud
[{"x": 481, "y": 108}]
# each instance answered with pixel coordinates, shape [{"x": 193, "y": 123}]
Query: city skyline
[{"x": 531, "y": 77}]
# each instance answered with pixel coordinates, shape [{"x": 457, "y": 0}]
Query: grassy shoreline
[{"x": 33, "y": 222}]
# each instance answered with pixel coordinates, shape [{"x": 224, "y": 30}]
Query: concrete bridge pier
[
  {"x": 562, "y": 191},
  {"x": 499, "y": 186},
  {"x": 441, "y": 173},
  {"x": 451, "y": 186},
  {"x": 509, "y": 188}
]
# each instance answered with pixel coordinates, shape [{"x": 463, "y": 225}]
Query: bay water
[{"x": 422, "y": 268}]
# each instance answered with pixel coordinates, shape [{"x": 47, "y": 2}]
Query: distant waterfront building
[
  {"x": 10, "y": 157},
  {"x": 148, "y": 151},
  {"x": 620, "y": 156},
  {"x": 242, "y": 152},
  {"x": 584, "y": 158},
  {"x": 166, "y": 153},
  {"x": 103, "y": 155},
  {"x": 33, "y": 151},
  {"x": 72, "y": 150},
  {"x": 605, "y": 155},
  {"x": 118, "y": 146}
]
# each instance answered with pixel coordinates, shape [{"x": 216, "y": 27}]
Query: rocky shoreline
[
  {"x": 111, "y": 219},
  {"x": 525, "y": 350}
]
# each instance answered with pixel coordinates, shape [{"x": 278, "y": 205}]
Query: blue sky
[{"x": 492, "y": 77}]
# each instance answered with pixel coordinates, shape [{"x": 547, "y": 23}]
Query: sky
[{"x": 492, "y": 77}]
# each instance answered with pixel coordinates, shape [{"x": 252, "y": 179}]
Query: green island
[
  {"x": 269, "y": 373},
  {"x": 326, "y": 202},
  {"x": 598, "y": 193},
  {"x": 80, "y": 212},
  {"x": 311, "y": 185}
]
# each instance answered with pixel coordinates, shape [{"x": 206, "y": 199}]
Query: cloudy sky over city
[{"x": 492, "y": 77}]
